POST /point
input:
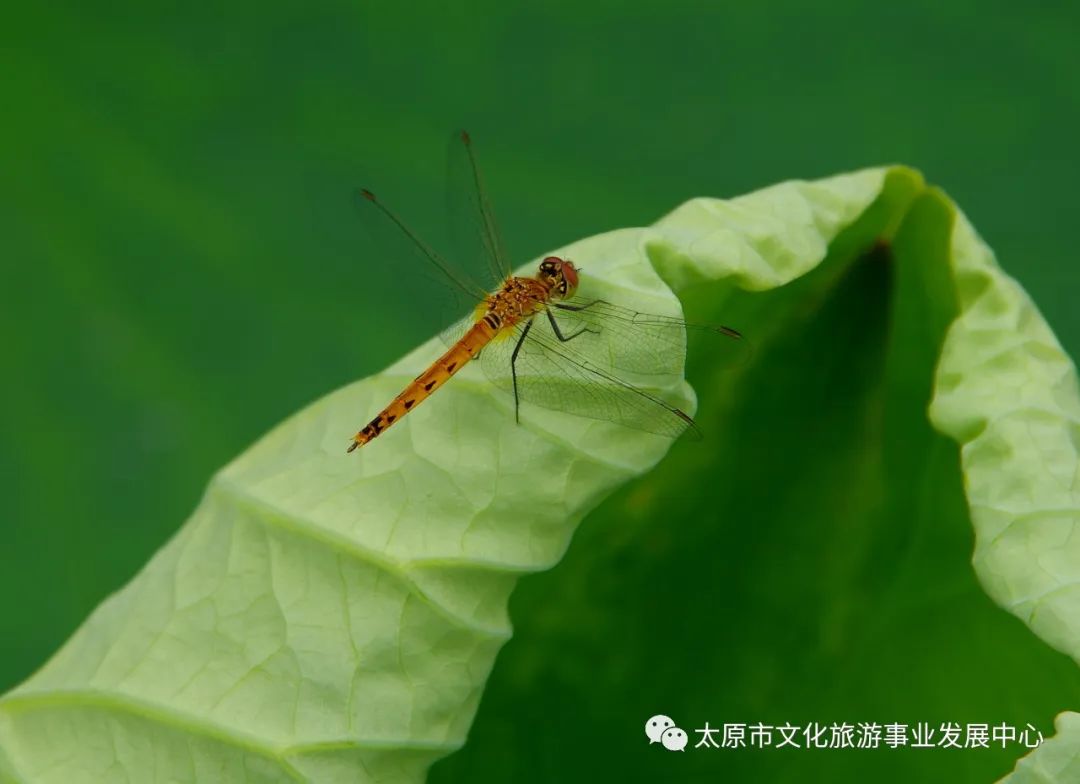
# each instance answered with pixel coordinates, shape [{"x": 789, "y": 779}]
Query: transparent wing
[
  {"x": 472, "y": 221},
  {"x": 395, "y": 243},
  {"x": 632, "y": 341},
  {"x": 475, "y": 230},
  {"x": 577, "y": 376}
]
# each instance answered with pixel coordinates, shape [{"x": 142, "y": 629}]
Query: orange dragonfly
[{"x": 532, "y": 334}]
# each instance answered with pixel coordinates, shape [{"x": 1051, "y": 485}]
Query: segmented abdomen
[{"x": 478, "y": 336}]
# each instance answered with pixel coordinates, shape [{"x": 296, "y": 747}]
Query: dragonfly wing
[
  {"x": 567, "y": 377},
  {"x": 634, "y": 341},
  {"x": 656, "y": 347},
  {"x": 393, "y": 242},
  {"x": 472, "y": 219}
]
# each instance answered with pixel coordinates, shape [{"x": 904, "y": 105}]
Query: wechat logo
[{"x": 661, "y": 729}]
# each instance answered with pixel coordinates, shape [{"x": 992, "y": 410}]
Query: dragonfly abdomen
[{"x": 440, "y": 371}]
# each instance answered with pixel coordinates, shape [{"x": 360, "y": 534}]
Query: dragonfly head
[{"x": 560, "y": 275}]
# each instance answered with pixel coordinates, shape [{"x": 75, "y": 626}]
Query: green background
[{"x": 182, "y": 268}]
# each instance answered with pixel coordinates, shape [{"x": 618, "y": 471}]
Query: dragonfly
[{"x": 534, "y": 336}]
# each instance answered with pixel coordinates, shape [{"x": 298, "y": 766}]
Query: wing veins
[
  {"x": 606, "y": 310},
  {"x": 489, "y": 230},
  {"x": 468, "y": 287},
  {"x": 642, "y": 397}
]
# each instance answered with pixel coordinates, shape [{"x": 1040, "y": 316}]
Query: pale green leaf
[{"x": 329, "y": 617}]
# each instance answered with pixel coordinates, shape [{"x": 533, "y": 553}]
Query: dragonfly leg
[
  {"x": 586, "y": 306},
  {"x": 513, "y": 371},
  {"x": 566, "y": 338}
]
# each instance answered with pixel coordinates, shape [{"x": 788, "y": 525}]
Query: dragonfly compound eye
[{"x": 569, "y": 274}]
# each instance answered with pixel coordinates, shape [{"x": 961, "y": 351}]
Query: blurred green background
[{"x": 182, "y": 267}]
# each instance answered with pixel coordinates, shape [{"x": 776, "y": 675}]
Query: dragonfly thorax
[
  {"x": 520, "y": 298},
  {"x": 517, "y": 299}
]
